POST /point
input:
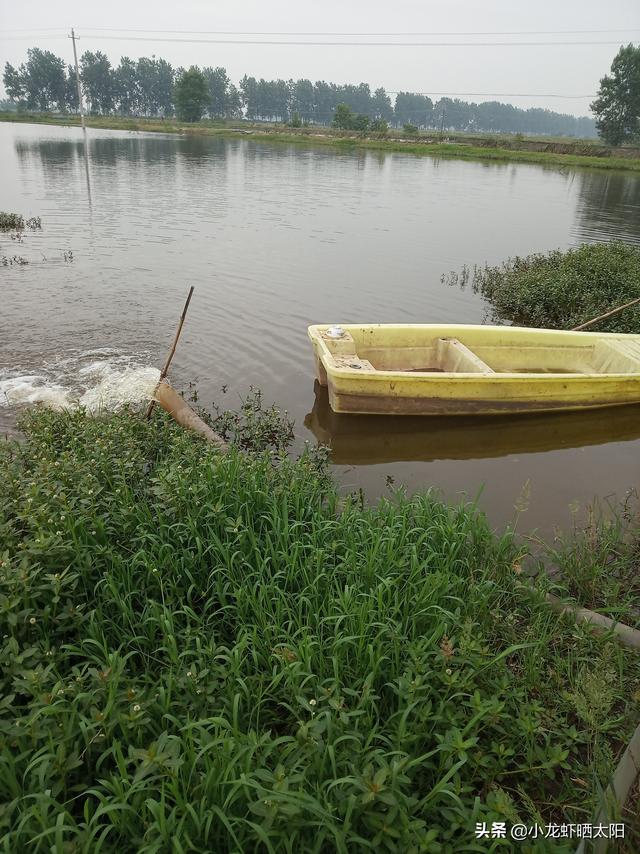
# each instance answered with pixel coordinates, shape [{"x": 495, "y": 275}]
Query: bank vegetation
[{"x": 223, "y": 653}]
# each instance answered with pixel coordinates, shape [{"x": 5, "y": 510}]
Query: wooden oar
[
  {"x": 165, "y": 370},
  {"x": 608, "y": 314}
]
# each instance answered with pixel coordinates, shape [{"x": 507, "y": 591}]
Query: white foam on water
[
  {"x": 107, "y": 382},
  {"x": 119, "y": 388},
  {"x": 17, "y": 391}
]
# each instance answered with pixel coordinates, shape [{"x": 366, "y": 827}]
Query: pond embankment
[{"x": 500, "y": 147}]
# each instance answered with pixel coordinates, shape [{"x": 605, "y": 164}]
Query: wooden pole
[
  {"x": 165, "y": 369},
  {"x": 608, "y": 314}
]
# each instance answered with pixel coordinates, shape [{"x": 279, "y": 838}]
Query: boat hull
[{"x": 474, "y": 370}]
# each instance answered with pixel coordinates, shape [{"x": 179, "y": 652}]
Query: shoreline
[{"x": 509, "y": 149}]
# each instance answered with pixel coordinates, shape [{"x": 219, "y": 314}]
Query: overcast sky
[{"x": 487, "y": 70}]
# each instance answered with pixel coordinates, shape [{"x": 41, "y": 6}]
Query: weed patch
[{"x": 216, "y": 653}]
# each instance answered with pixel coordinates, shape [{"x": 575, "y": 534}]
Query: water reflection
[
  {"x": 608, "y": 207},
  {"x": 374, "y": 439}
]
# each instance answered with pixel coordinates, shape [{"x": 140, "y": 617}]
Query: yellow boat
[{"x": 429, "y": 369}]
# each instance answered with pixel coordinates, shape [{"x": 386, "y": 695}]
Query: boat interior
[{"x": 435, "y": 354}]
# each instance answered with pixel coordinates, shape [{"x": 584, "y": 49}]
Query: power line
[
  {"x": 34, "y": 29},
  {"x": 490, "y": 94},
  {"x": 364, "y": 35},
  {"x": 57, "y": 37},
  {"x": 280, "y": 42}
]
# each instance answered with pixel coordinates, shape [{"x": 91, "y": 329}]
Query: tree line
[{"x": 147, "y": 87}]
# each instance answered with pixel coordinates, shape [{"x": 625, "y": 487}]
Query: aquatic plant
[
  {"x": 10, "y": 260},
  {"x": 562, "y": 289},
  {"x": 222, "y": 654},
  {"x": 16, "y": 222},
  {"x": 10, "y": 221},
  {"x": 597, "y": 564},
  {"x": 253, "y": 426}
]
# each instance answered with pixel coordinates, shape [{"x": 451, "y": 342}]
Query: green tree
[
  {"x": 46, "y": 80},
  {"x": 382, "y": 105},
  {"x": 249, "y": 94},
  {"x": 38, "y": 84},
  {"x": 218, "y": 83},
  {"x": 126, "y": 87},
  {"x": 302, "y": 101},
  {"x": 413, "y": 108},
  {"x": 165, "y": 79},
  {"x": 343, "y": 117},
  {"x": 233, "y": 104},
  {"x": 15, "y": 83},
  {"x": 361, "y": 123},
  {"x": 324, "y": 97},
  {"x": 97, "y": 81},
  {"x": 191, "y": 95},
  {"x": 379, "y": 126},
  {"x": 71, "y": 90},
  {"x": 617, "y": 107}
]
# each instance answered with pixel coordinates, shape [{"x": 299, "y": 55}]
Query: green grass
[
  {"x": 204, "y": 653},
  {"x": 474, "y": 147},
  {"x": 599, "y": 563}
]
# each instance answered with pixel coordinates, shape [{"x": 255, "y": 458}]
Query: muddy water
[{"x": 275, "y": 238}]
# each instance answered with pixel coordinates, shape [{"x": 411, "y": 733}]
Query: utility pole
[
  {"x": 442, "y": 123},
  {"x": 84, "y": 128},
  {"x": 75, "y": 59}
]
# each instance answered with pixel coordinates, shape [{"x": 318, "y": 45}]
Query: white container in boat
[{"x": 335, "y": 332}]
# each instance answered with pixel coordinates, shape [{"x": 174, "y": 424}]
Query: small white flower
[
  {"x": 189, "y": 673},
  {"x": 449, "y": 671},
  {"x": 312, "y": 702},
  {"x": 93, "y": 532},
  {"x": 136, "y": 708},
  {"x": 32, "y": 620}
]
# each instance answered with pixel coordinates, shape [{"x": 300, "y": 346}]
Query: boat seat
[
  {"x": 453, "y": 355},
  {"x": 354, "y": 363}
]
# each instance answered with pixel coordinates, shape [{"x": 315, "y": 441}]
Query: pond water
[{"x": 274, "y": 238}]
